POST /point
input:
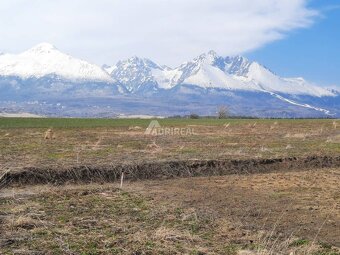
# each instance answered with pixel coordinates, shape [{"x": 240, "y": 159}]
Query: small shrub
[
  {"x": 230, "y": 249},
  {"x": 299, "y": 242},
  {"x": 194, "y": 116}
]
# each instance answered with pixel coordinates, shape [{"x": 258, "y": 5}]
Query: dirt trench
[{"x": 161, "y": 170}]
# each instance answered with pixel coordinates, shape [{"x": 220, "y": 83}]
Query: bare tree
[{"x": 223, "y": 112}]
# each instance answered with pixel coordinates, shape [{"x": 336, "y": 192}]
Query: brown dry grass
[
  {"x": 240, "y": 140},
  {"x": 295, "y": 212},
  {"x": 274, "y": 213}
]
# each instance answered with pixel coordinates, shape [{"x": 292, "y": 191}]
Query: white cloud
[{"x": 168, "y": 31}]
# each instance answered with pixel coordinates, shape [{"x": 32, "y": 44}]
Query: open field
[
  {"x": 96, "y": 142},
  {"x": 273, "y": 213},
  {"x": 260, "y": 187}
]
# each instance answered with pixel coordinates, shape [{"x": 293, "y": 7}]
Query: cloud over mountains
[{"x": 168, "y": 31}]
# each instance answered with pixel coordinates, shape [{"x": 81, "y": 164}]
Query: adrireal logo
[
  {"x": 156, "y": 129},
  {"x": 152, "y": 128}
]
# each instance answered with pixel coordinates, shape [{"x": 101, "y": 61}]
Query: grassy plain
[
  {"x": 295, "y": 212},
  {"x": 99, "y": 141}
]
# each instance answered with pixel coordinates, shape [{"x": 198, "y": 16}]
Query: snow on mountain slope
[
  {"x": 238, "y": 65},
  {"x": 327, "y": 112},
  {"x": 207, "y": 71},
  {"x": 270, "y": 82},
  {"x": 212, "y": 77},
  {"x": 211, "y": 71},
  {"x": 44, "y": 59},
  {"x": 165, "y": 77},
  {"x": 133, "y": 72},
  {"x": 140, "y": 86},
  {"x": 136, "y": 72},
  {"x": 107, "y": 68}
]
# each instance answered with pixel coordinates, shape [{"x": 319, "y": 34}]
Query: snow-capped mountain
[
  {"x": 294, "y": 86},
  {"x": 137, "y": 73},
  {"x": 61, "y": 85},
  {"x": 44, "y": 60},
  {"x": 134, "y": 73},
  {"x": 212, "y": 71}
]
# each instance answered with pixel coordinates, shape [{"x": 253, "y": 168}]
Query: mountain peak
[
  {"x": 43, "y": 48},
  {"x": 133, "y": 72},
  {"x": 135, "y": 60},
  {"x": 45, "y": 60},
  {"x": 208, "y": 57},
  {"x": 212, "y": 53},
  {"x": 137, "y": 63}
]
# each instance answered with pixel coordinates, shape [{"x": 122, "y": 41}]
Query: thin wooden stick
[{"x": 121, "y": 180}]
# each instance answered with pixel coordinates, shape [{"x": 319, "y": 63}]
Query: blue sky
[
  {"x": 291, "y": 37},
  {"x": 312, "y": 53}
]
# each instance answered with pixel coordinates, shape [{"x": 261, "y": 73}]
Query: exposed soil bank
[{"x": 162, "y": 170}]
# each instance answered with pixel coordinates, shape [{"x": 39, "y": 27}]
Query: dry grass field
[
  {"x": 274, "y": 212},
  {"x": 22, "y": 143}
]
